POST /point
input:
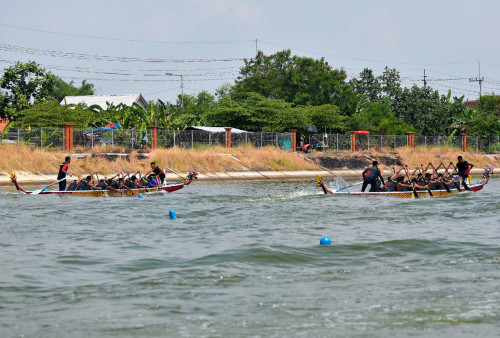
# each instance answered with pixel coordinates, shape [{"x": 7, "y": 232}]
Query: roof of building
[
  {"x": 217, "y": 129},
  {"x": 101, "y": 100}
]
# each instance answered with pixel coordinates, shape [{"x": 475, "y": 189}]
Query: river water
[{"x": 244, "y": 259}]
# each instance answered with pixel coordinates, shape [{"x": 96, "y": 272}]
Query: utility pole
[
  {"x": 478, "y": 79},
  {"x": 182, "y": 89},
  {"x": 256, "y": 48},
  {"x": 425, "y": 80}
]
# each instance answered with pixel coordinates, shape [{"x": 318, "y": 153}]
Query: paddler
[
  {"x": 463, "y": 169},
  {"x": 63, "y": 172},
  {"x": 158, "y": 172},
  {"x": 371, "y": 176}
]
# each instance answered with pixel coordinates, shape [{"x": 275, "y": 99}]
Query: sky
[{"x": 127, "y": 47}]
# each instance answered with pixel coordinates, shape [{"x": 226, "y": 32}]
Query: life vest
[
  {"x": 391, "y": 185},
  {"x": 115, "y": 185},
  {"x": 130, "y": 184},
  {"x": 72, "y": 186},
  {"x": 84, "y": 185},
  {"x": 102, "y": 185},
  {"x": 62, "y": 168},
  {"x": 371, "y": 174}
]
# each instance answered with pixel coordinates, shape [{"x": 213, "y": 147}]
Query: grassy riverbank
[{"x": 35, "y": 161}]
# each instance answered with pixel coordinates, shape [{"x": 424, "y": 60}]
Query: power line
[
  {"x": 81, "y": 56},
  {"x": 122, "y": 39},
  {"x": 363, "y": 59}
]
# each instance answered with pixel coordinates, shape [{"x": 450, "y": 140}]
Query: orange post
[
  {"x": 294, "y": 139},
  {"x": 353, "y": 141},
  {"x": 228, "y": 137},
  {"x": 154, "y": 143},
  {"x": 411, "y": 140},
  {"x": 464, "y": 143},
  {"x": 68, "y": 137}
]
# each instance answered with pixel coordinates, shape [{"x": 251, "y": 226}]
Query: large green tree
[
  {"x": 294, "y": 79},
  {"x": 425, "y": 109},
  {"x": 50, "y": 113},
  {"x": 25, "y": 83},
  {"x": 61, "y": 89}
]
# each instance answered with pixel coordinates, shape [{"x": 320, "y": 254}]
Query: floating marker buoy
[
  {"x": 172, "y": 214},
  {"x": 140, "y": 195},
  {"x": 325, "y": 241}
]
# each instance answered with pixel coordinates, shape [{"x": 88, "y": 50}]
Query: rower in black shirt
[
  {"x": 157, "y": 171},
  {"x": 63, "y": 171},
  {"x": 463, "y": 169},
  {"x": 371, "y": 176}
]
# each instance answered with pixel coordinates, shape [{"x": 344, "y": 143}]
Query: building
[{"x": 102, "y": 100}]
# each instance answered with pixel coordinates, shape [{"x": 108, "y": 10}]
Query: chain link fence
[{"x": 195, "y": 139}]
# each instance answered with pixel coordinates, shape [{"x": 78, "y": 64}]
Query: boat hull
[
  {"x": 107, "y": 193},
  {"x": 407, "y": 194}
]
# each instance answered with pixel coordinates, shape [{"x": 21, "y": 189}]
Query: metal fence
[
  {"x": 339, "y": 142},
  {"x": 194, "y": 139}
]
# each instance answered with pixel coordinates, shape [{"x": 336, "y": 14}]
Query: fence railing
[{"x": 193, "y": 139}]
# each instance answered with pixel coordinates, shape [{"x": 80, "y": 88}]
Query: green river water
[{"x": 244, "y": 260}]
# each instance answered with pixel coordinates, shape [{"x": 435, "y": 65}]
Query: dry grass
[
  {"x": 208, "y": 160},
  {"x": 215, "y": 159}
]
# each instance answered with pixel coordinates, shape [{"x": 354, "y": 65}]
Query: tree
[
  {"x": 489, "y": 104},
  {"x": 326, "y": 116},
  {"x": 297, "y": 80},
  {"x": 367, "y": 84},
  {"x": 378, "y": 118},
  {"x": 390, "y": 82},
  {"x": 61, "y": 89},
  {"x": 50, "y": 113},
  {"x": 425, "y": 109},
  {"x": 3, "y": 105},
  {"x": 194, "y": 109},
  {"x": 25, "y": 83},
  {"x": 253, "y": 112}
]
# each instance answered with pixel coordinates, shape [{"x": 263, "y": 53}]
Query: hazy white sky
[{"x": 445, "y": 37}]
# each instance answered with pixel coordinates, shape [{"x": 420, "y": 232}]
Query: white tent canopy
[{"x": 217, "y": 129}]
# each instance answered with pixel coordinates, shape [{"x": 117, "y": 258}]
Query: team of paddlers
[
  {"x": 154, "y": 178},
  {"x": 405, "y": 179}
]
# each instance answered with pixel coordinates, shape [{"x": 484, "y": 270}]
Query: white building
[{"x": 102, "y": 100}]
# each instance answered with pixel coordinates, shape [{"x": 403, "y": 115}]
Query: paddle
[
  {"x": 451, "y": 176},
  {"x": 421, "y": 169},
  {"x": 36, "y": 192},
  {"x": 173, "y": 171},
  {"x": 414, "y": 191},
  {"x": 447, "y": 188},
  {"x": 351, "y": 185}
]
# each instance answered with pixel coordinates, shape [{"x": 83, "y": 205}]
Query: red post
[
  {"x": 154, "y": 143},
  {"x": 228, "y": 137},
  {"x": 411, "y": 140},
  {"x": 294, "y": 139},
  {"x": 353, "y": 141},
  {"x": 464, "y": 143},
  {"x": 68, "y": 137}
]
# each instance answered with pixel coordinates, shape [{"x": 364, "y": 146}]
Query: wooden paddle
[
  {"x": 36, "y": 192},
  {"x": 447, "y": 188},
  {"x": 451, "y": 176}
]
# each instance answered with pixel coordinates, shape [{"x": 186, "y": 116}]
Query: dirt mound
[{"x": 333, "y": 162}]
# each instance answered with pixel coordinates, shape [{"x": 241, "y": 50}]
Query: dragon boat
[
  {"x": 108, "y": 193},
  {"x": 410, "y": 194}
]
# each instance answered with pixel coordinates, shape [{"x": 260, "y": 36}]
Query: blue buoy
[
  {"x": 325, "y": 241},
  {"x": 172, "y": 214},
  {"x": 140, "y": 195}
]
